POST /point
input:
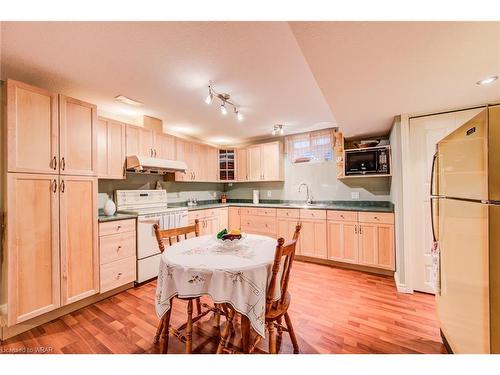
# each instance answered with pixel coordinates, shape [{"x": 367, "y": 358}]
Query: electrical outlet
[
  {"x": 269, "y": 193},
  {"x": 214, "y": 194},
  {"x": 354, "y": 194}
]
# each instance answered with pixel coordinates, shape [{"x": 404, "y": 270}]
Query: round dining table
[{"x": 237, "y": 276}]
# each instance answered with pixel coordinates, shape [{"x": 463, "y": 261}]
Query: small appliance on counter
[{"x": 255, "y": 197}]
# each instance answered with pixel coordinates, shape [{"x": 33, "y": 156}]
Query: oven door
[
  {"x": 147, "y": 245},
  {"x": 361, "y": 162}
]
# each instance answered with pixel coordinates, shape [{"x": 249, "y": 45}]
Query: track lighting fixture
[
  {"x": 225, "y": 99},
  {"x": 278, "y": 129}
]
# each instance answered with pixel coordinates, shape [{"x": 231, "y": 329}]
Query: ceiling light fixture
[
  {"x": 278, "y": 129},
  {"x": 225, "y": 99},
  {"x": 126, "y": 100},
  {"x": 487, "y": 80}
]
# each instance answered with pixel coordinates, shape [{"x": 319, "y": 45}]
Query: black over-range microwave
[{"x": 373, "y": 160}]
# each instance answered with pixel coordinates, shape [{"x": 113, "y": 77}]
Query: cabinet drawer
[
  {"x": 259, "y": 225},
  {"x": 117, "y": 273},
  {"x": 342, "y": 215},
  {"x": 117, "y": 246},
  {"x": 292, "y": 213},
  {"x": 376, "y": 217},
  {"x": 118, "y": 226},
  {"x": 201, "y": 214},
  {"x": 271, "y": 212},
  {"x": 313, "y": 214}
]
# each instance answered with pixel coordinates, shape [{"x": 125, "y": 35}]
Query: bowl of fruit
[{"x": 230, "y": 238}]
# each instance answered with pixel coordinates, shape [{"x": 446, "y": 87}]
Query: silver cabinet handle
[
  {"x": 62, "y": 186},
  {"x": 63, "y": 163},
  {"x": 53, "y": 163},
  {"x": 155, "y": 152},
  {"x": 355, "y": 229},
  {"x": 54, "y": 186}
]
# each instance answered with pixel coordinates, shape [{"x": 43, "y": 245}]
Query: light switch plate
[{"x": 354, "y": 194}]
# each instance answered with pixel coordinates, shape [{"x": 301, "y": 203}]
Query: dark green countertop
[{"x": 104, "y": 218}]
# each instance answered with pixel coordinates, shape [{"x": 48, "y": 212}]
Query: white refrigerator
[{"x": 465, "y": 209}]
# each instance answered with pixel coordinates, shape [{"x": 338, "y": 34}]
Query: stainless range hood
[{"x": 142, "y": 164}]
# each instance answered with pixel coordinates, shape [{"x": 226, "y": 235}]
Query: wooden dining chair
[
  {"x": 164, "y": 329},
  {"x": 275, "y": 310}
]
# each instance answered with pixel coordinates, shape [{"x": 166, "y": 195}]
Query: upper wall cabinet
[
  {"x": 32, "y": 129},
  {"x": 110, "y": 149},
  {"x": 164, "y": 146},
  {"x": 265, "y": 162},
  {"x": 241, "y": 165},
  {"x": 139, "y": 141},
  {"x": 77, "y": 137}
]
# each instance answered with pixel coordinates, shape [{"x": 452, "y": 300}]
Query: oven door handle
[{"x": 149, "y": 221}]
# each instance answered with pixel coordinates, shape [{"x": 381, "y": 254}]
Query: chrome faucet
[{"x": 309, "y": 197}]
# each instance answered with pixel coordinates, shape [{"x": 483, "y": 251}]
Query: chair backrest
[
  {"x": 286, "y": 251},
  {"x": 168, "y": 234}
]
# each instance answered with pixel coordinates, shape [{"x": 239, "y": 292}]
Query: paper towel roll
[{"x": 255, "y": 197}]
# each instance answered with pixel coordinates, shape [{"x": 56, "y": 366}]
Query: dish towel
[{"x": 435, "y": 254}]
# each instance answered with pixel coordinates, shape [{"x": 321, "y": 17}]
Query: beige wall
[{"x": 322, "y": 181}]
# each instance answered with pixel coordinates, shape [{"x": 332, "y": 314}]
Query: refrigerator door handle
[
  {"x": 434, "y": 158},
  {"x": 431, "y": 200}
]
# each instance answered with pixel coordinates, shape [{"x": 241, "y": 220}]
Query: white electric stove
[{"x": 151, "y": 208}]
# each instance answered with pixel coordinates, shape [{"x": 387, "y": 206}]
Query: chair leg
[
  {"x": 292, "y": 334},
  {"x": 198, "y": 305},
  {"x": 218, "y": 307},
  {"x": 189, "y": 328},
  {"x": 225, "y": 334},
  {"x": 280, "y": 335},
  {"x": 272, "y": 338},
  {"x": 159, "y": 330},
  {"x": 166, "y": 328}
]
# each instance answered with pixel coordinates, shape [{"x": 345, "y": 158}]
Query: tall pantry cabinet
[{"x": 50, "y": 148}]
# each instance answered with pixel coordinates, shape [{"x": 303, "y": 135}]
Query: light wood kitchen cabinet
[
  {"x": 286, "y": 228},
  {"x": 139, "y": 141},
  {"x": 117, "y": 248},
  {"x": 376, "y": 245},
  {"x": 224, "y": 218},
  {"x": 234, "y": 218},
  {"x": 77, "y": 137},
  {"x": 209, "y": 220},
  {"x": 164, "y": 146},
  {"x": 32, "y": 129},
  {"x": 313, "y": 238},
  {"x": 78, "y": 236},
  {"x": 342, "y": 238},
  {"x": 254, "y": 163},
  {"x": 32, "y": 246},
  {"x": 272, "y": 161},
  {"x": 241, "y": 165},
  {"x": 259, "y": 221},
  {"x": 211, "y": 161},
  {"x": 110, "y": 149},
  {"x": 265, "y": 162}
]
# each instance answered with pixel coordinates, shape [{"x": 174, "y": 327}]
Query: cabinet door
[
  {"x": 77, "y": 137},
  {"x": 32, "y": 129},
  {"x": 32, "y": 246},
  {"x": 313, "y": 238},
  {"x": 385, "y": 246},
  {"x": 234, "y": 218},
  {"x": 212, "y": 164},
  {"x": 254, "y": 163},
  {"x": 271, "y": 161},
  {"x": 198, "y": 153},
  {"x": 241, "y": 165},
  {"x": 223, "y": 218},
  {"x": 132, "y": 140},
  {"x": 368, "y": 244},
  {"x": 180, "y": 154},
  {"x": 146, "y": 147},
  {"x": 78, "y": 231},
  {"x": 110, "y": 149},
  {"x": 164, "y": 145},
  {"x": 342, "y": 239}
]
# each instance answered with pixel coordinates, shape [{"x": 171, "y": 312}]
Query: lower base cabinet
[
  {"x": 210, "y": 221},
  {"x": 117, "y": 248},
  {"x": 313, "y": 238},
  {"x": 234, "y": 218},
  {"x": 342, "y": 238},
  {"x": 376, "y": 245}
]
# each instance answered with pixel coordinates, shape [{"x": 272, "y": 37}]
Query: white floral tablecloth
[{"x": 201, "y": 266}]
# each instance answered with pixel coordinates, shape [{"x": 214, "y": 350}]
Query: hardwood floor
[{"x": 333, "y": 311}]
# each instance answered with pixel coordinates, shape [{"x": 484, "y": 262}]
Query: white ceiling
[
  {"x": 306, "y": 75},
  {"x": 371, "y": 71},
  {"x": 167, "y": 66}
]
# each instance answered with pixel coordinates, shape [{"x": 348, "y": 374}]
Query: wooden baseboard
[
  {"x": 350, "y": 266},
  {"x": 445, "y": 343},
  {"x": 8, "y": 332}
]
